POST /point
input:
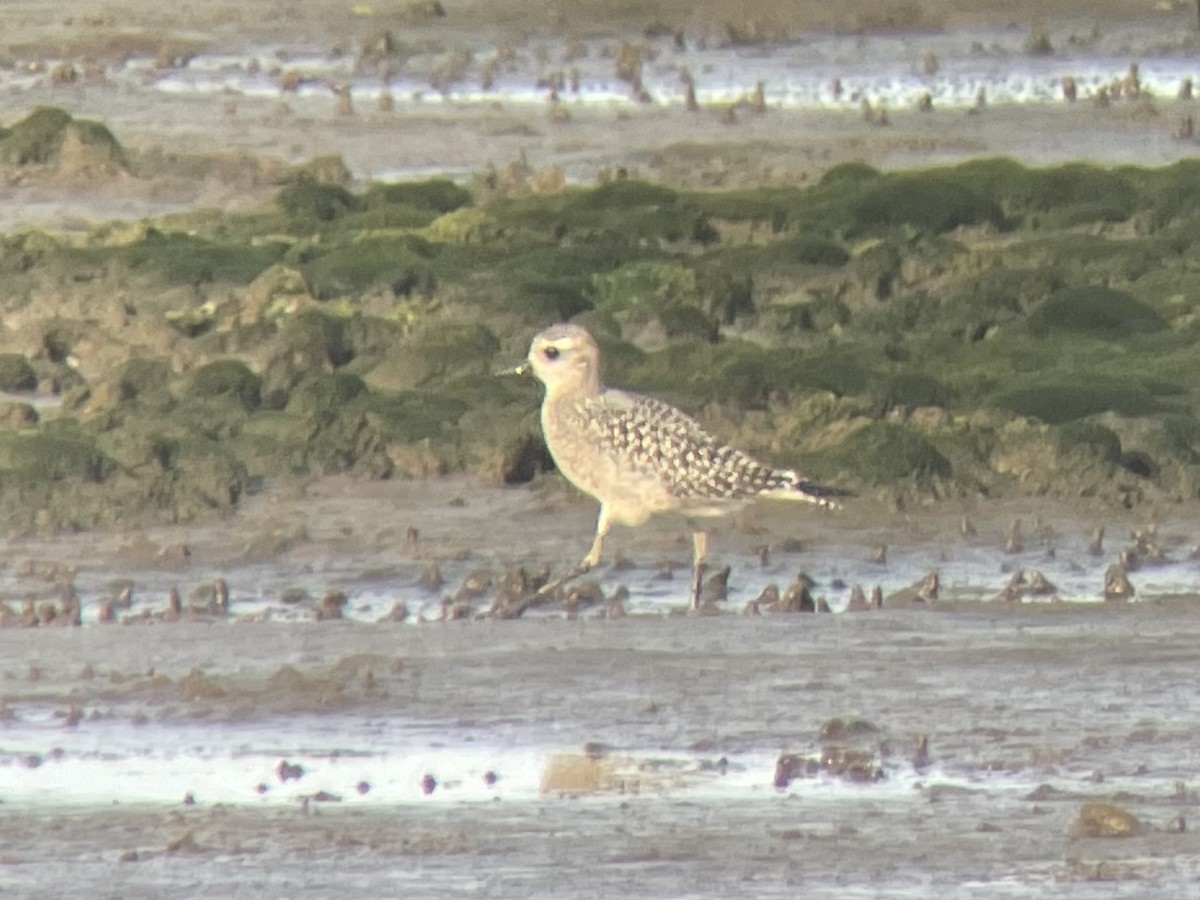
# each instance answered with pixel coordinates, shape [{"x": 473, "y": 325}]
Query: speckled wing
[{"x": 653, "y": 437}]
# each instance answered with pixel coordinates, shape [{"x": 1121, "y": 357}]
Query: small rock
[
  {"x": 1117, "y": 585},
  {"x": 858, "y": 600},
  {"x": 1105, "y": 820},
  {"x": 289, "y": 772}
]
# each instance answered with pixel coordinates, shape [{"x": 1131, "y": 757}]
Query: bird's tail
[
  {"x": 822, "y": 494},
  {"x": 800, "y": 488}
]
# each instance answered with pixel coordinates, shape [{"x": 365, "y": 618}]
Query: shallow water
[
  {"x": 1095, "y": 702},
  {"x": 889, "y": 69},
  {"x": 551, "y": 756},
  {"x": 229, "y": 99}
]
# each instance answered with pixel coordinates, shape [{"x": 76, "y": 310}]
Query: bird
[{"x": 641, "y": 457}]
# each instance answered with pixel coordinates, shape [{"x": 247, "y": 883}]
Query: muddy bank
[
  {"x": 973, "y": 331},
  {"x": 1030, "y": 715},
  {"x": 261, "y": 309}
]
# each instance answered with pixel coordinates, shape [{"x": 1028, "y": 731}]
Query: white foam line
[{"x": 114, "y": 762}]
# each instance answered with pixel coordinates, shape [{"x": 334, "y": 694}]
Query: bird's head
[{"x": 565, "y": 358}]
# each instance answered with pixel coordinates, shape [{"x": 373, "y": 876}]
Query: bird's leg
[
  {"x": 603, "y": 524},
  {"x": 700, "y": 552}
]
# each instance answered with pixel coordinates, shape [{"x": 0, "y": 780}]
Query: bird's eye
[{"x": 551, "y": 353}]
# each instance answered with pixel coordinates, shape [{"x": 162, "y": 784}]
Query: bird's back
[{"x": 615, "y": 443}]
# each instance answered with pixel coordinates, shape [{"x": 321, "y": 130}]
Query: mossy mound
[
  {"x": 853, "y": 173},
  {"x": 924, "y": 202},
  {"x": 678, "y": 299},
  {"x": 184, "y": 259},
  {"x": 400, "y": 265},
  {"x": 1057, "y": 403},
  {"x": 227, "y": 379},
  {"x": 986, "y": 327},
  {"x": 856, "y": 203},
  {"x": 144, "y": 382},
  {"x": 339, "y": 432},
  {"x": 805, "y": 250},
  {"x": 1099, "y": 311},
  {"x": 437, "y": 195},
  {"x": 1090, "y": 438},
  {"x": 883, "y": 453},
  {"x": 50, "y": 136},
  {"x": 310, "y": 203},
  {"x": 58, "y": 452},
  {"x": 623, "y": 212},
  {"x": 1072, "y": 194},
  {"x": 439, "y": 352},
  {"x": 16, "y": 374},
  {"x": 910, "y": 390},
  {"x": 312, "y": 338},
  {"x": 322, "y": 397}
]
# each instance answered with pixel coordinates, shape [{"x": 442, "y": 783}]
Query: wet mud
[{"x": 996, "y": 747}]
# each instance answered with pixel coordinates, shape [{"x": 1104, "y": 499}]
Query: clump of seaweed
[{"x": 980, "y": 327}]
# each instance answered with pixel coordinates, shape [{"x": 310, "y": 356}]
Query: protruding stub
[{"x": 1117, "y": 585}]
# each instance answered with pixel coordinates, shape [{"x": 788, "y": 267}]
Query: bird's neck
[{"x": 586, "y": 386}]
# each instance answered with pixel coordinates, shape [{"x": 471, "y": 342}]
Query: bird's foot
[
  {"x": 555, "y": 583},
  {"x": 697, "y": 585}
]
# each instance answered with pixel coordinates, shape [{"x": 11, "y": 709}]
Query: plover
[{"x": 640, "y": 456}]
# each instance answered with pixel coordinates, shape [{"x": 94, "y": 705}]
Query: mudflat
[{"x": 335, "y": 731}]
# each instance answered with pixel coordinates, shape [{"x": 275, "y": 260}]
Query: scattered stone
[
  {"x": 221, "y": 596},
  {"x": 1014, "y": 543},
  {"x": 475, "y": 586},
  {"x": 920, "y": 758},
  {"x": 288, "y": 771},
  {"x": 715, "y": 590},
  {"x": 928, "y": 592},
  {"x": 431, "y": 579},
  {"x": 185, "y": 843},
  {"x": 1117, "y": 585},
  {"x": 850, "y": 763},
  {"x": 858, "y": 600},
  {"x": 797, "y": 597},
  {"x": 790, "y": 766},
  {"x": 1105, "y": 820},
  {"x": 616, "y": 603},
  {"x": 581, "y": 595},
  {"x": 398, "y": 613},
  {"x": 294, "y": 596},
  {"x": 1039, "y": 585},
  {"x": 847, "y": 729},
  {"x": 332, "y": 606},
  {"x": 1014, "y": 590}
]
